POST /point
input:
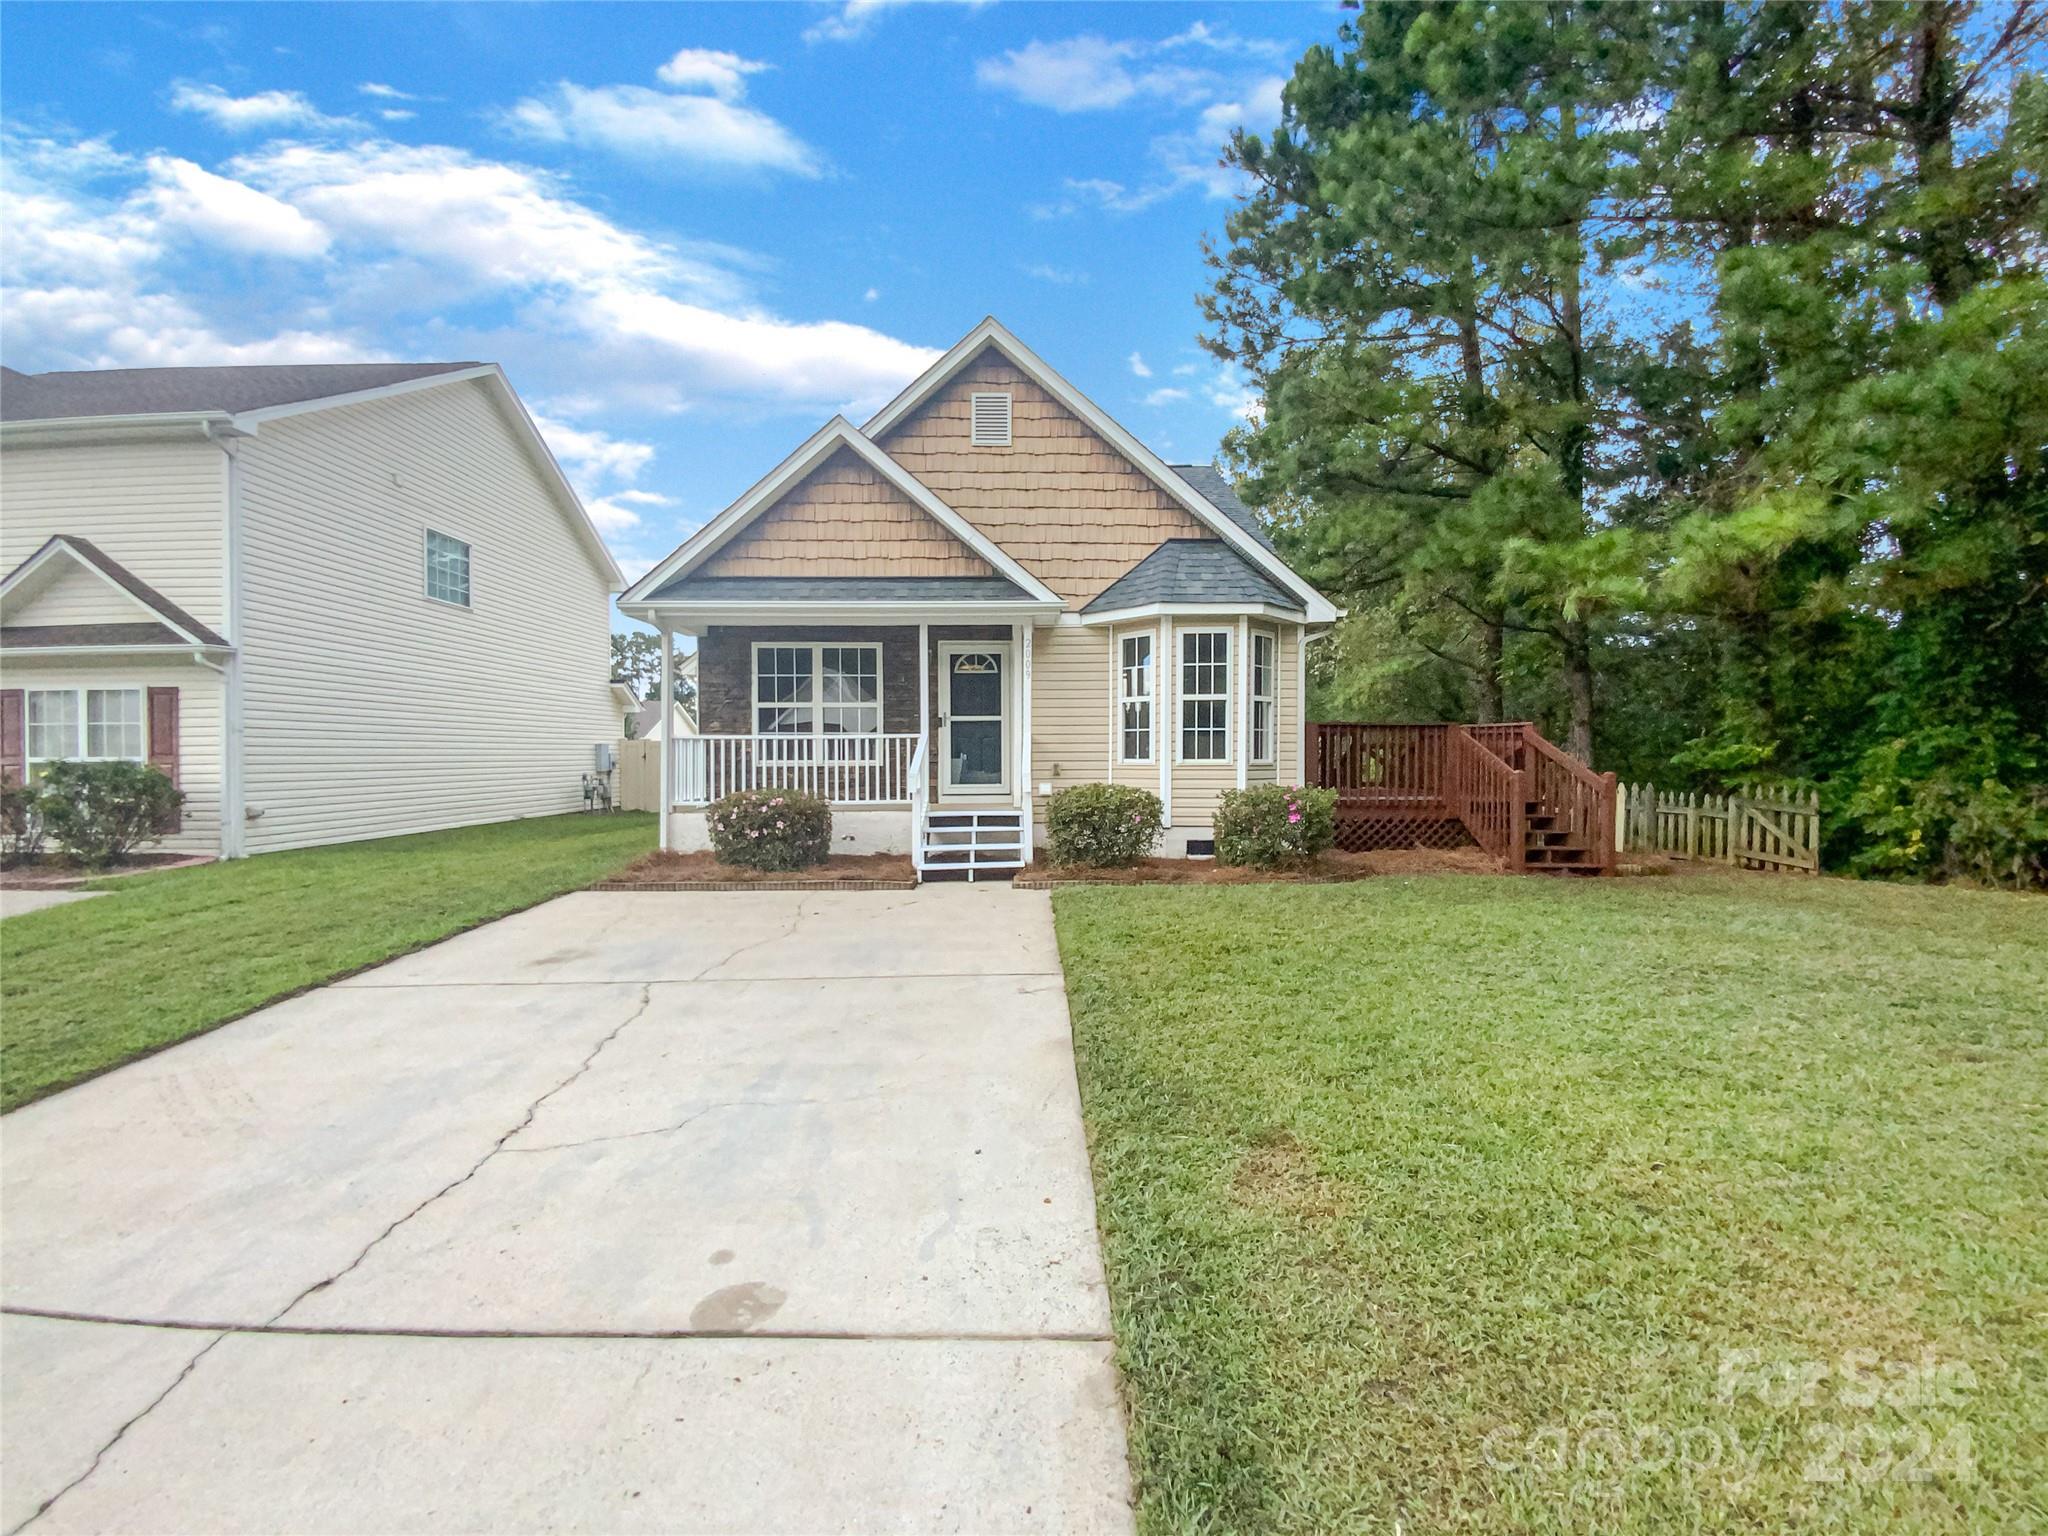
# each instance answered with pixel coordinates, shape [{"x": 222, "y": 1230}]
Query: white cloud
[
  {"x": 1227, "y": 391},
  {"x": 228, "y": 213},
  {"x": 1101, "y": 192},
  {"x": 1138, "y": 365},
  {"x": 589, "y": 455},
  {"x": 872, "y": 294},
  {"x": 713, "y": 69},
  {"x": 1082, "y": 74},
  {"x": 398, "y": 114},
  {"x": 1186, "y": 370},
  {"x": 1165, "y": 396},
  {"x": 852, "y": 19},
  {"x": 249, "y": 114},
  {"x": 385, "y": 92},
  {"x": 714, "y": 132},
  {"x": 461, "y": 255},
  {"x": 1045, "y": 272},
  {"x": 1219, "y": 40}
]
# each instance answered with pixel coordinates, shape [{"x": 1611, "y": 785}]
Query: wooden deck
[{"x": 1533, "y": 808}]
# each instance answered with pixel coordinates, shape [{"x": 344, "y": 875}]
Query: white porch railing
[
  {"x": 920, "y": 799},
  {"x": 845, "y": 770}
]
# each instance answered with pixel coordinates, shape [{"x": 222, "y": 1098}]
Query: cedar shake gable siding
[
  {"x": 842, "y": 520},
  {"x": 1058, "y": 500}
]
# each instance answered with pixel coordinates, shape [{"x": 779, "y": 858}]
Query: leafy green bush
[
  {"x": 1101, "y": 826},
  {"x": 1270, "y": 825},
  {"x": 1922, "y": 808},
  {"x": 771, "y": 829},
  {"x": 101, "y": 812},
  {"x": 21, "y": 823}
]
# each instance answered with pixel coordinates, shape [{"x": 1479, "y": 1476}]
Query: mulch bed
[
  {"x": 52, "y": 875},
  {"x": 1330, "y": 869},
  {"x": 703, "y": 872}
]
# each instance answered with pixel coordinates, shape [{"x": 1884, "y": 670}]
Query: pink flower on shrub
[{"x": 1294, "y": 815}]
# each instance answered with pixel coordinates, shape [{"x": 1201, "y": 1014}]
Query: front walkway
[{"x": 635, "y": 1211}]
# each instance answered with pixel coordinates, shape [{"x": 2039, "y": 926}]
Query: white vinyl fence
[{"x": 1771, "y": 830}]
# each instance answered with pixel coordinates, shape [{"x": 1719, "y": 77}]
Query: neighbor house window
[
  {"x": 1263, "y": 681},
  {"x": 1134, "y": 698},
  {"x": 1205, "y": 695},
  {"x": 93, "y": 724},
  {"x": 991, "y": 421},
  {"x": 822, "y": 690},
  {"x": 447, "y": 569}
]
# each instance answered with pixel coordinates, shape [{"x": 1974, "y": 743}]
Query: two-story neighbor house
[
  {"x": 989, "y": 592},
  {"x": 333, "y": 602}
]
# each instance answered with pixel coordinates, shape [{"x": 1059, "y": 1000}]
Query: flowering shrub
[
  {"x": 21, "y": 823},
  {"x": 1274, "y": 824},
  {"x": 1101, "y": 826},
  {"x": 771, "y": 829}
]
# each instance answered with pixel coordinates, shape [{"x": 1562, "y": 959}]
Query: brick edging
[
  {"x": 754, "y": 885},
  {"x": 1047, "y": 883}
]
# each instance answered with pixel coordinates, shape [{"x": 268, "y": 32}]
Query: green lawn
[
  {"x": 95, "y": 983},
  {"x": 1454, "y": 1202}
]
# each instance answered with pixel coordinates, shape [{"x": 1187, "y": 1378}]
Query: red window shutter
[
  {"x": 163, "y": 738},
  {"x": 13, "y": 737}
]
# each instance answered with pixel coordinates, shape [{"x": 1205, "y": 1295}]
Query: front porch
[{"x": 917, "y": 735}]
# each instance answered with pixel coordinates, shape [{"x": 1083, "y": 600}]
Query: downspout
[{"x": 234, "y": 815}]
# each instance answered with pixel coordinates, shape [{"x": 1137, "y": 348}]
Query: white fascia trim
[
  {"x": 59, "y": 545},
  {"x": 59, "y": 428},
  {"x": 992, "y": 332},
  {"x": 815, "y": 449},
  {"x": 17, "y": 654},
  {"x": 494, "y": 376},
  {"x": 690, "y": 617},
  {"x": 1194, "y": 610}
]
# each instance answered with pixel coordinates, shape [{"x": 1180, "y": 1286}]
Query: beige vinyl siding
[
  {"x": 844, "y": 519},
  {"x": 1070, "y": 683},
  {"x": 76, "y": 595},
  {"x": 371, "y": 709},
  {"x": 199, "y": 724},
  {"x": 1059, "y": 500},
  {"x": 155, "y": 505}
]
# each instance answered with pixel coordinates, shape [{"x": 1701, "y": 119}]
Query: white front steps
[{"x": 972, "y": 842}]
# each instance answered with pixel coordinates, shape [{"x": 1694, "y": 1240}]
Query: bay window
[
  {"x": 1264, "y": 675},
  {"x": 1134, "y": 699},
  {"x": 1205, "y": 695}
]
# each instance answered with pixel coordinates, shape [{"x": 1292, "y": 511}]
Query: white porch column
[
  {"x": 1165, "y": 731},
  {"x": 1242, "y": 668},
  {"x": 1025, "y": 766},
  {"x": 668, "y": 730},
  {"x": 924, "y": 696}
]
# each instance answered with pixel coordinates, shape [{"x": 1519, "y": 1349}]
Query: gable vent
[{"x": 991, "y": 421}]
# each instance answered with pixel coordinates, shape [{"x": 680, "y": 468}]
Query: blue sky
[{"x": 690, "y": 233}]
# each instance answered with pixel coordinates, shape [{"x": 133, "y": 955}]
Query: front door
[{"x": 974, "y": 695}]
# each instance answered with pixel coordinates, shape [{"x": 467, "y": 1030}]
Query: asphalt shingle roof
[
  {"x": 840, "y": 589},
  {"x": 179, "y": 391},
  {"x": 29, "y": 637},
  {"x": 1217, "y": 490},
  {"x": 1192, "y": 571}
]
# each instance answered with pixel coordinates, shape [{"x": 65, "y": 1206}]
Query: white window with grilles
[{"x": 991, "y": 421}]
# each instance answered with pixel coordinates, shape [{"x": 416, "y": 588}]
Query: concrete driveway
[{"x": 648, "y": 1211}]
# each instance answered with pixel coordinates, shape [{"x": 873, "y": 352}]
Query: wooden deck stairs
[{"x": 1530, "y": 806}]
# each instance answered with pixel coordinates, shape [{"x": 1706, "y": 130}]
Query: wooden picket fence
[{"x": 1771, "y": 830}]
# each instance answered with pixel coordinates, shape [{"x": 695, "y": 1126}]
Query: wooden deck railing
[{"x": 1491, "y": 778}]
